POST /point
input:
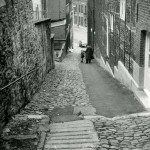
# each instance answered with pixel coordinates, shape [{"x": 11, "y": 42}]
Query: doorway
[{"x": 147, "y": 64}]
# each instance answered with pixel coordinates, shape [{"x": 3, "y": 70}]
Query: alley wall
[
  {"x": 117, "y": 30},
  {"x": 25, "y": 56}
]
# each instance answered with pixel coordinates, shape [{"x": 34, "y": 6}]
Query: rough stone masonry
[{"x": 21, "y": 50}]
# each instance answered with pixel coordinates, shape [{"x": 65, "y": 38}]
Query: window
[
  {"x": 81, "y": 8},
  {"x": 75, "y": 20},
  {"x": 75, "y": 8},
  {"x": 85, "y": 21},
  {"x": 111, "y": 22},
  {"x": 137, "y": 13},
  {"x": 122, "y": 9},
  {"x": 79, "y": 20},
  {"x": 82, "y": 21},
  {"x": 149, "y": 61},
  {"x": 149, "y": 57},
  {"x": 85, "y": 9},
  {"x": 142, "y": 47}
]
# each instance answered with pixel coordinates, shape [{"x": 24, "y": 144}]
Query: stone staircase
[{"x": 74, "y": 135}]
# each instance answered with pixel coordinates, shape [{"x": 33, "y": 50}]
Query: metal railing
[{"x": 20, "y": 78}]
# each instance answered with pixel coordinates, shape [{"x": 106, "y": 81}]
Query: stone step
[
  {"x": 54, "y": 130},
  {"x": 70, "y": 125},
  {"x": 78, "y": 122},
  {"x": 71, "y": 133},
  {"x": 88, "y": 136},
  {"x": 71, "y": 146},
  {"x": 72, "y": 141},
  {"x": 75, "y": 135},
  {"x": 78, "y": 149}
]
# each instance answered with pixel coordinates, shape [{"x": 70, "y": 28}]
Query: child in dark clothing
[{"x": 82, "y": 55}]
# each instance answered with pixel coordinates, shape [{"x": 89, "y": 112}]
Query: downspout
[
  {"x": 124, "y": 33},
  {"x": 93, "y": 37},
  {"x": 78, "y": 13},
  {"x": 59, "y": 9}
]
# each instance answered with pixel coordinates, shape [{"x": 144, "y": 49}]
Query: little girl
[{"x": 82, "y": 55}]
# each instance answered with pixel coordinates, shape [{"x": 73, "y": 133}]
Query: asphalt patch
[{"x": 65, "y": 114}]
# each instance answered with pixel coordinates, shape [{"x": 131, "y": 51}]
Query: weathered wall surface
[
  {"x": 111, "y": 36},
  {"x": 142, "y": 21},
  {"x": 90, "y": 21},
  {"x": 56, "y": 9},
  {"x": 120, "y": 28},
  {"x": 22, "y": 49},
  {"x": 59, "y": 32}
]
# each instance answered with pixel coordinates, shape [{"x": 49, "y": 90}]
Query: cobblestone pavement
[
  {"x": 63, "y": 86},
  {"x": 130, "y": 132}
]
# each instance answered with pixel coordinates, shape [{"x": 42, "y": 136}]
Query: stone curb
[
  {"x": 20, "y": 137},
  {"x": 43, "y": 129},
  {"x": 142, "y": 114}
]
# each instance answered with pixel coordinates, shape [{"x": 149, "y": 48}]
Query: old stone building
[
  {"x": 69, "y": 24},
  {"x": 119, "y": 32},
  {"x": 60, "y": 12},
  {"x": 26, "y": 55},
  {"x": 80, "y": 12}
]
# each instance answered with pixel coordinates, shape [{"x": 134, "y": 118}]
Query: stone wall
[
  {"x": 24, "y": 47},
  {"x": 59, "y": 31}
]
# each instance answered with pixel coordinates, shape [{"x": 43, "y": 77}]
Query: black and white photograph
[{"x": 74, "y": 74}]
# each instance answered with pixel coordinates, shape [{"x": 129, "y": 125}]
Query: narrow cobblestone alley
[
  {"x": 63, "y": 93},
  {"x": 62, "y": 115},
  {"x": 66, "y": 68},
  {"x": 63, "y": 87}
]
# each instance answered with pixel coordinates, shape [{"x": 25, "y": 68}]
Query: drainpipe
[
  {"x": 78, "y": 13},
  {"x": 125, "y": 33},
  {"x": 93, "y": 33},
  {"x": 59, "y": 9}
]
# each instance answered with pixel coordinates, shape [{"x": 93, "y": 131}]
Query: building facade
[
  {"x": 80, "y": 12},
  {"x": 69, "y": 24},
  {"x": 60, "y": 12},
  {"x": 56, "y": 9},
  {"x": 119, "y": 32}
]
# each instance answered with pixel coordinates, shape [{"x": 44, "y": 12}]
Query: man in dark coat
[{"x": 88, "y": 54}]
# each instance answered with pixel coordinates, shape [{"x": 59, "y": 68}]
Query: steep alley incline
[
  {"x": 64, "y": 89},
  {"x": 107, "y": 95}
]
